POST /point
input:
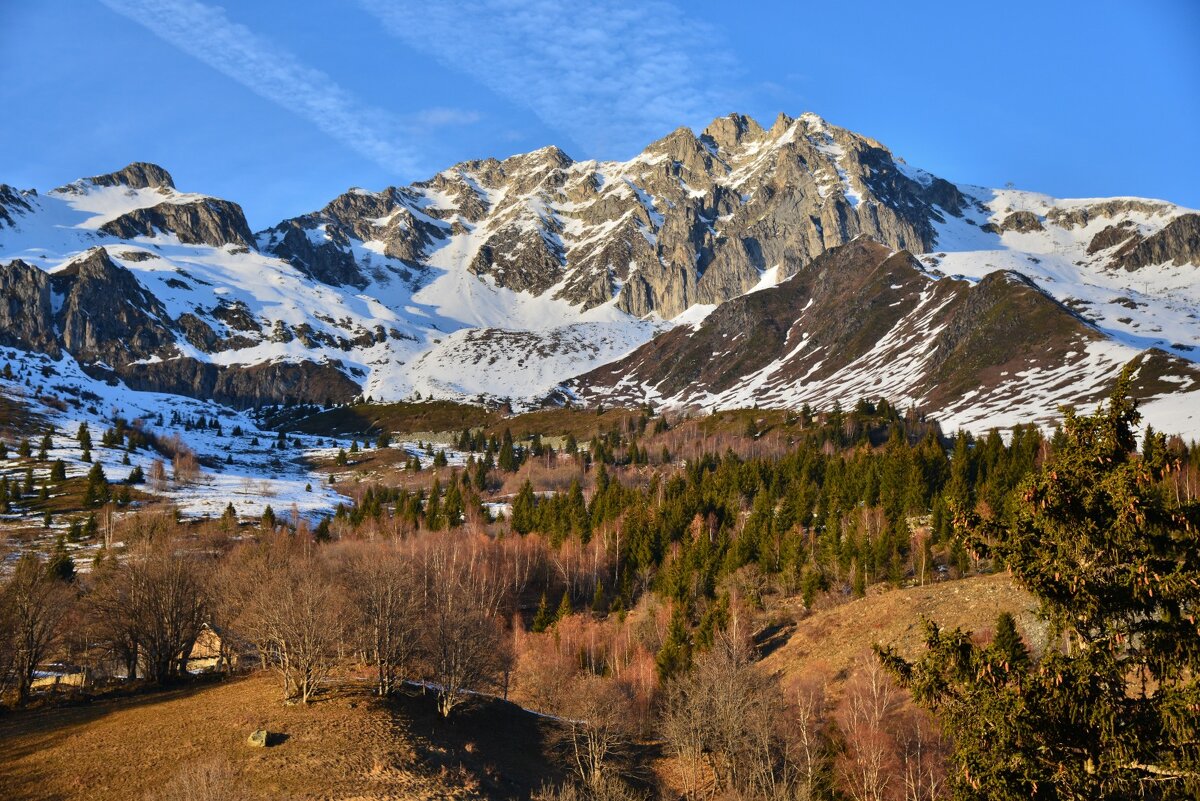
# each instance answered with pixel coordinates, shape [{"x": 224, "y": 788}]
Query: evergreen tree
[
  {"x": 1008, "y": 644},
  {"x": 1108, "y": 711},
  {"x": 136, "y": 476},
  {"x": 675, "y": 656},
  {"x": 542, "y": 618},
  {"x": 507, "y": 459},
  {"x": 61, "y": 566},
  {"x": 564, "y": 607},
  {"x": 524, "y": 509},
  {"x": 598, "y": 598},
  {"x": 97, "y": 491}
]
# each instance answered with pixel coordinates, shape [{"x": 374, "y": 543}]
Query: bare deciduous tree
[
  {"x": 385, "y": 591},
  {"x": 867, "y": 764},
  {"x": 283, "y": 596},
  {"x": 33, "y": 603},
  {"x": 150, "y": 608},
  {"x": 599, "y": 732},
  {"x": 463, "y": 602}
]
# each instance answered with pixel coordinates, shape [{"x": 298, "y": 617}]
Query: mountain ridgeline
[{"x": 800, "y": 263}]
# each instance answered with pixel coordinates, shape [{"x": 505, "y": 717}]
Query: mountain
[{"x": 796, "y": 263}]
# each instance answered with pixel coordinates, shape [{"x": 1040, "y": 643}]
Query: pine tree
[
  {"x": 598, "y": 604},
  {"x": 507, "y": 459},
  {"x": 1008, "y": 645},
  {"x": 97, "y": 491}
]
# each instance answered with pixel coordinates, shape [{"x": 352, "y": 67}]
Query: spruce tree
[
  {"x": 61, "y": 566},
  {"x": 1110, "y": 709},
  {"x": 524, "y": 509},
  {"x": 542, "y": 618},
  {"x": 564, "y": 607}
]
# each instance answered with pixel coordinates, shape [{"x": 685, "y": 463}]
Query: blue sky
[{"x": 282, "y": 105}]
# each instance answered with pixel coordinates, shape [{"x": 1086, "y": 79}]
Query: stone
[{"x": 258, "y": 739}]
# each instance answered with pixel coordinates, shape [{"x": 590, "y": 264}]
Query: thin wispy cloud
[
  {"x": 606, "y": 74},
  {"x": 206, "y": 33}
]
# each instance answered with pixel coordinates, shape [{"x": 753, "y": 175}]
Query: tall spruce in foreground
[{"x": 1111, "y": 708}]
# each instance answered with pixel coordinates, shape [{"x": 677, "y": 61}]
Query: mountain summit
[{"x": 796, "y": 263}]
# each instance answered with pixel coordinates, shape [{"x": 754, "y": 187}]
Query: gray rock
[
  {"x": 138, "y": 175},
  {"x": 26, "y": 317},
  {"x": 1178, "y": 242},
  {"x": 201, "y": 222}
]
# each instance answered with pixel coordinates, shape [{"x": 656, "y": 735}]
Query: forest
[{"x": 627, "y": 583}]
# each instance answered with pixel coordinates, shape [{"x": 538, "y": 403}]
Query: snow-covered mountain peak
[{"x": 504, "y": 277}]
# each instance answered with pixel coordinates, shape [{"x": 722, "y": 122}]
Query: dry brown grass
[
  {"x": 827, "y": 643},
  {"x": 346, "y": 745}
]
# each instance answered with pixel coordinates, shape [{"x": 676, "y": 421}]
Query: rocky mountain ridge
[{"x": 505, "y": 278}]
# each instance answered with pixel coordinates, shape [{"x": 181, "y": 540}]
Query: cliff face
[
  {"x": 692, "y": 219},
  {"x": 26, "y": 317},
  {"x": 203, "y": 222}
]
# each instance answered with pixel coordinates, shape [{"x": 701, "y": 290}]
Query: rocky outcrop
[
  {"x": 12, "y": 201},
  {"x": 1079, "y": 216},
  {"x": 106, "y": 315},
  {"x": 321, "y": 245},
  {"x": 1178, "y": 242},
  {"x": 209, "y": 221},
  {"x": 328, "y": 260},
  {"x": 1111, "y": 236},
  {"x": 244, "y": 386},
  {"x": 1022, "y": 222},
  {"x": 26, "y": 316},
  {"x": 138, "y": 175}
]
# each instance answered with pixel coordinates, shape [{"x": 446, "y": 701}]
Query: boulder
[{"x": 258, "y": 739}]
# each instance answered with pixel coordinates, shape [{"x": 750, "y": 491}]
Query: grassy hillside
[
  {"x": 828, "y": 642},
  {"x": 347, "y": 745}
]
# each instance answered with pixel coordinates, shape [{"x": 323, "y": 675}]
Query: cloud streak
[
  {"x": 608, "y": 74},
  {"x": 207, "y": 34}
]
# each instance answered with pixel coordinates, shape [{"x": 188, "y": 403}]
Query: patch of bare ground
[
  {"x": 347, "y": 745},
  {"x": 827, "y": 643}
]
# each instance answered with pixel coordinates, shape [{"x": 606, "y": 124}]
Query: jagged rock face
[
  {"x": 26, "y": 316},
  {"x": 106, "y": 315},
  {"x": 202, "y": 222},
  {"x": 693, "y": 219},
  {"x": 1022, "y": 221},
  {"x": 1178, "y": 243},
  {"x": 1111, "y": 236},
  {"x": 138, "y": 175},
  {"x": 11, "y": 201},
  {"x": 244, "y": 386},
  {"x": 321, "y": 245}
]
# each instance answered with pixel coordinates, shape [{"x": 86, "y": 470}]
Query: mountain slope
[{"x": 502, "y": 279}]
